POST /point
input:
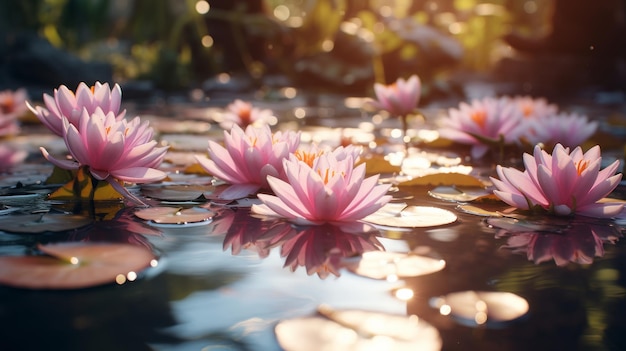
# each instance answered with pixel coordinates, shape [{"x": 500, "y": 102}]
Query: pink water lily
[
  {"x": 399, "y": 98},
  {"x": 567, "y": 129},
  {"x": 484, "y": 121},
  {"x": 562, "y": 183},
  {"x": 329, "y": 191},
  {"x": 113, "y": 150},
  {"x": 70, "y": 105},
  {"x": 243, "y": 114},
  {"x": 534, "y": 108},
  {"x": 9, "y": 157},
  {"x": 12, "y": 106},
  {"x": 248, "y": 158}
]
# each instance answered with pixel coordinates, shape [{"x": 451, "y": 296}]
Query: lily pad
[
  {"x": 453, "y": 193},
  {"x": 384, "y": 265},
  {"x": 75, "y": 265},
  {"x": 441, "y": 179},
  {"x": 84, "y": 187},
  {"x": 412, "y": 217},
  {"x": 481, "y": 308},
  {"x": 521, "y": 225},
  {"x": 342, "y": 330},
  {"x": 477, "y": 211},
  {"x": 177, "y": 192},
  {"x": 42, "y": 222},
  {"x": 176, "y": 216}
]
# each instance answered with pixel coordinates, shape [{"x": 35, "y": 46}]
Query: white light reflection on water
[
  {"x": 267, "y": 293},
  {"x": 493, "y": 309}
]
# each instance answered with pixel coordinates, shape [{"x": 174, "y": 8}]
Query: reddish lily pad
[
  {"x": 42, "y": 222},
  {"x": 75, "y": 265},
  {"x": 176, "y": 215}
]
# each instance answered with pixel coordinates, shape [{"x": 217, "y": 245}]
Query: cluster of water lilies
[
  {"x": 99, "y": 138},
  {"x": 310, "y": 185},
  {"x": 490, "y": 122},
  {"x": 12, "y": 106}
]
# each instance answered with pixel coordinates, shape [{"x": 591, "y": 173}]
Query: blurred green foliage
[{"x": 340, "y": 42}]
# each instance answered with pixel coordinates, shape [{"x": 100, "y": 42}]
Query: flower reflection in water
[
  {"x": 123, "y": 227},
  {"x": 244, "y": 232},
  {"x": 579, "y": 241},
  {"x": 321, "y": 249}
]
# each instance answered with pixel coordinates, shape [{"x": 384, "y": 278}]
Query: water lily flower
[
  {"x": 113, "y": 150},
  {"x": 12, "y": 106},
  {"x": 243, "y": 114},
  {"x": 70, "y": 105},
  {"x": 9, "y": 157},
  {"x": 569, "y": 130},
  {"x": 562, "y": 183},
  {"x": 483, "y": 122},
  {"x": 399, "y": 98},
  {"x": 248, "y": 158},
  {"x": 330, "y": 191},
  {"x": 534, "y": 108}
]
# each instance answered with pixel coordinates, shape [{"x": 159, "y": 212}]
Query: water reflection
[
  {"x": 321, "y": 250},
  {"x": 579, "y": 240}
]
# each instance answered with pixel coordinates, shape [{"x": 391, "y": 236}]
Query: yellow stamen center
[
  {"x": 581, "y": 166},
  {"x": 326, "y": 174},
  {"x": 7, "y": 105},
  {"x": 479, "y": 117},
  {"x": 245, "y": 114},
  {"x": 307, "y": 157},
  {"x": 527, "y": 110}
]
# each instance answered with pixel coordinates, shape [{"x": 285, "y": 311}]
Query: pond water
[{"x": 238, "y": 282}]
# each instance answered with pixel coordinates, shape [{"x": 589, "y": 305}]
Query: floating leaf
[
  {"x": 477, "y": 211},
  {"x": 412, "y": 217},
  {"x": 177, "y": 192},
  {"x": 450, "y": 179},
  {"x": 521, "y": 225},
  {"x": 195, "y": 169},
  {"x": 42, "y": 222},
  {"x": 453, "y": 193},
  {"x": 81, "y": 187},
  {"x": 385, "y": 265},
  {"x": 376, "y": 164},
  {"x": 339, "y": 330},
  {"x": 481, "y": 308},
  {"x": 19, "y": 199},
  {"x": 75, "y": 265},
  {"x": 176, "y": 215},
  {"x": 60, "y": 176}
]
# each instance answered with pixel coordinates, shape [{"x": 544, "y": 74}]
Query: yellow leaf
[
  {"x": 438, "y": 179},
  {"x": 377, "y": 164},
  {"x": 81, "y": 188},
  {"x": 195, "y": 169}
]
